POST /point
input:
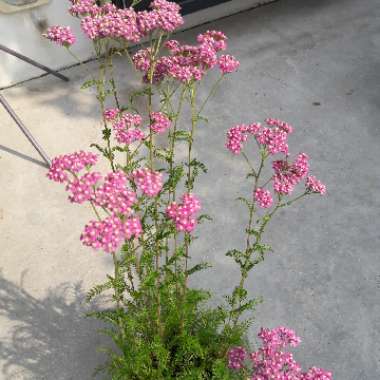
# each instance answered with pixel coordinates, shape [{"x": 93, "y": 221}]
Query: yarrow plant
[{"x": 146, "y": 209}]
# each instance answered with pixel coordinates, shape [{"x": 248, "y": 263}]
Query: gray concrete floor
[{"x": 315, "y": 64}]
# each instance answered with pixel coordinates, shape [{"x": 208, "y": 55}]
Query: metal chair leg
[
  {"x": 34, "y": 63},
  {"x": 25, "y": 130}
]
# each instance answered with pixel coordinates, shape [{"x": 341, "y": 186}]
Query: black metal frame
[
  {"x": 188, "y": 6},
  {"x": 11, "y": 111}
]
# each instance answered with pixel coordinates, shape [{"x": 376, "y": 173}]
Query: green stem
[
  {"x": 190, "y": 180},
  {"x": 101, "y": 98},
  {"x": 211, "y": 93},
  {"x": 116, "y": 274},
  {"x": 249, "y": 164}
]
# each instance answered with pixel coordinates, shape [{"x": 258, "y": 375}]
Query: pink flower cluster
[
  {"x": 83, "y": 7},
  {"x": 236, "y": 357},
  {"x": 269, "y": 362},
  {"x": 73, "y": 163},
  {"x": 82, "y": 188},
  {"x": 228, "y": 64},
  {"x": 124, "y": 127},
  {"x": 61, "y": 35},
  {"x": 160, "y": 122},
  {"x": 287, "y": 176},
  {"x": 237, "y": 135},
  {"x": 278, "y": 338},
  {"x": 187, "y": 62},
  {"x": 107, "y": 21},
  {"x": 263, "y": 198},
  {"x": 113, "y": 196},
  {"x": 274, "y": 140},
  {"x": 148, "y": 181},
  {"x": 109, "y": 233},
  {"x": 110, "y": 22},
  {"x": 111, "y": 114},
  {"x": 164, "y": 15},
  {"x": 314, "y": 185},
  {"x": 183, "y": 214},
  {"x": 217, "y": 39}
]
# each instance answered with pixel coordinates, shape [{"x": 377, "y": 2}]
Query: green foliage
[{"x": 188, "y": 340}]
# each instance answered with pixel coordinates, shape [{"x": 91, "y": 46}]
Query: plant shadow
[{"x": 49, "y": 337}]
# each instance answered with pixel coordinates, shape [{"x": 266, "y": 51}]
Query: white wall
[{"x": 20, "y": 32}]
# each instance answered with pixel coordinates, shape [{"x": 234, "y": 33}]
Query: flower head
[
  {"x": 237, "y": 135},
  {"x": 160, "y": 122},
  {"x": 125, "y": 132},
  {"x": 114, "y": 194},
  {"x": 108, "y": 234},
  {"x": 73, "y": 162},
  {"x": 83, "y": 8},
  {"x": 275, "y": 140},
  {"x": 61, "y": 35},
  {"x": 148, "y": 181},
  {"x": 183, "y": 214},
  {"x": 236, "y": 357},
  {"x": 315, "y": 186},
  {"x": 217, "y": 39},
  {"x": 110, "y": 114},
  {"x": 228, "y": 64},
  {"x": 82, "y": 188},
  {"x": 263, "y": 198},
  {"x": 315, "y": 373}
]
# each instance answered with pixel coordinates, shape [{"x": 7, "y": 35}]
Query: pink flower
[
  {"x": 148, "y": 181},
  {"x": 280, "y": 124},
  {"x": 300, "y": 167},
  {"x": 147, "y": 22},
  {"x": 74, "y": 163},
  {"x": 160, "y": 122},
  {"x": 124, "y": 131},
  {"x": 109, "y": 233},
  {"x": 263, "y": 198},
  {"x": 274, "y": 139},
  {"x": 110, "y": 114},
  {"x": 207, "y": 56},
  {"x": 165, "y": 5},
  {"x": 111, "y": 22},
  {"x": 217, "y": 39},
  {"x": 83, "y": 7},
  {"x": 283, "y": 184},
  {"x": 287, "y": 176},
  {"x": 141, "y": 59},
  {"x": 315, "y": 186},
  {"x": 129, "y": 136},
  {"x": 237, "y": 135},
  {"x": 172, "y": 45},
  {"x": 168, "y": 16},
  {"x": 315, "y": 373},
  {"x": 228, "y": 64},
  {"x": 278, "y": 338},
  {"x": 133, "y": 228},
  {"x": 236, "y": 357},
  {"x": 114, "y": 194},
  {"x": 183, "y": 214},
  {"x": 61, "y": 35},
  {"x": 82, "y": 189},
  {"x": 269, "y": 362},
  {"x": 185, "y": 73}
]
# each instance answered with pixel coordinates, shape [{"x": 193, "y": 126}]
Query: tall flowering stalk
[{"x": 145, "y": 209}]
